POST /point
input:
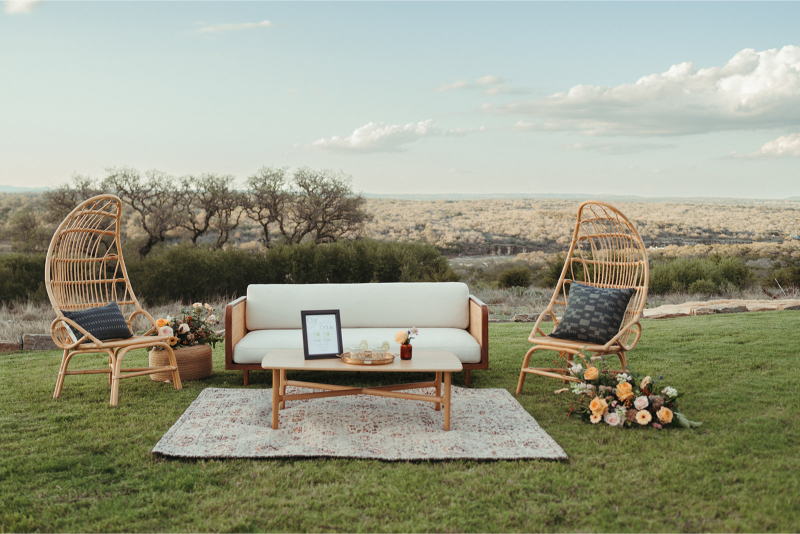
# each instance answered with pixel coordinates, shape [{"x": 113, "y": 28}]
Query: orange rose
[
  {"x": 624, "y": 391},
  {"x": 598, "y": 406},
  {"x": 591, "y": 373},
  {"x": 664, "y": 415},
  {"x": 162, "y": 322},
  {"x": 643, "y": 417}
]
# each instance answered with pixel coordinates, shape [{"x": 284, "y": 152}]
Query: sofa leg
[
  {"x": 466, "y": 377},
  {"x": 247, "y": 377}
]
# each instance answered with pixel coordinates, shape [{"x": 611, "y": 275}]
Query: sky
[{"x": 615, "y": 98}]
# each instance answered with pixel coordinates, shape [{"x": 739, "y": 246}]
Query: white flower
[
  {"x": 670, "y": 391},
  {"x": 576, "y": 369},
  {"x": 623, "y": 377},
  {"x": 212, "y": 319},
  {"x": 613, "y": 418},
  {"x": 183, "y": 329},
  {"x": 414, "y": 331},
  {"x": 641, "y": 403},
  {"x": 578, "y": 387},
  {"x": 165, "y": 331}
]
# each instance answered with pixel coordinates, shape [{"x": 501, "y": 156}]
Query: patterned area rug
[{"x": 486, "y": 424}]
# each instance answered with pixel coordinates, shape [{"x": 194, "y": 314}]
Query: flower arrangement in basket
[
  {"x": 620, "y": 399},
  {"x": 192, "y": 328}
]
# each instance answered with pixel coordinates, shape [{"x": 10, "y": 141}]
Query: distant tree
[
  {"x": 268, "y": 198},
  {"x": 155, "y": 197},
  {"x": 27, "y": 233},
  {"x": 59, "y": 202},
  {"x": 210, "y": 201}
]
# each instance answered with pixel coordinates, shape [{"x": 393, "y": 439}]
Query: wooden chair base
[
  {"x": 115, "y": 371},
  {"x": 556, "y": 372}
]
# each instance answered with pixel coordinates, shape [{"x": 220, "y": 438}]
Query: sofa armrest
[
  {"x": 479, "y": 327},
  {"x": 235, "y": 327}
]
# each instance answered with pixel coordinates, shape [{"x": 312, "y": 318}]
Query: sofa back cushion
[{"x": 400, "y": 305}]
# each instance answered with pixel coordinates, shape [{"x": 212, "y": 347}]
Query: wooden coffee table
[{"x": 437, "y": 361}]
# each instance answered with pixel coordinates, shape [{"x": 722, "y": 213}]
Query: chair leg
[
  {"x": 176, "y": 377},
  {"x": 61, "y": 374},
  {"x": 115, "y": 378},
  {"x": 623, "y": 361},
  {"x": 246, "y": 377},
  {"x": 466, "y": 377},
  {"x": 522, "y": 372}
]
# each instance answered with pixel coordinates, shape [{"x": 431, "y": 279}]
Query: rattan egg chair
[
  {"x": 84, "y": 269},
  {"x": 607, "y": 252}
]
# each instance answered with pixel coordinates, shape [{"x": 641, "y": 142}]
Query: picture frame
[{"x": 322, "y": 334}]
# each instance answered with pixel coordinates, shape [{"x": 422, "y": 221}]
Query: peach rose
[
  {"x": 595, "y": 418},
  {"x": 162, "y": 322},
  {"x": 401, "y": 337},
  {"x": 643, "y": 417},
  {"x": 591, "y": 373},
  {"x": 598, "y": 406},
  {"x": 664, "y": 415},
  {"x": 645, "y": 381},
  {"x": 624, "y": 391}
]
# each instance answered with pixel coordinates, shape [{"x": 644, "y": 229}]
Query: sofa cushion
[
  {"x": 255, "y": 345},
  {"x": 401, "y": 305}
]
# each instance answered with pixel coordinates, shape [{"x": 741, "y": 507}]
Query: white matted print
[{"x": 322, "y": 334}]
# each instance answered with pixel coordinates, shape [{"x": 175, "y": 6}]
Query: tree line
[{"x": 306, "y": 205}]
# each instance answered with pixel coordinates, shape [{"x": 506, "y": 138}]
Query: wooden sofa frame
[{"x": 236, "y": 329}]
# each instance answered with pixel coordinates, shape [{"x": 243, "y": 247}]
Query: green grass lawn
[{"x": 75, "y": 464}]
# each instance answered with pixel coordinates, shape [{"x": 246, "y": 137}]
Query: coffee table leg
[
  {"x": 283, "y": 388},
  {"x": 438, "y": 405},
  {"x": 447, "y": 401},
  {"x": 276, "y": 397}
]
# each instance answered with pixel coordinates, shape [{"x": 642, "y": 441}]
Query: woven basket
[{"x": 193, "y": 362}]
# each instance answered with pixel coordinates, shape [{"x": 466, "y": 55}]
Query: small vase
[{"x": 405, "y": 351}]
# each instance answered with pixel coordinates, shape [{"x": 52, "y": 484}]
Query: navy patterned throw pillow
[
  {"x": 105, "y": 322},
  {"x": 593, "y": 314}
]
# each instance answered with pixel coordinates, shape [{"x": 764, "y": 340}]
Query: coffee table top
[{"x": 422, "y": 361}]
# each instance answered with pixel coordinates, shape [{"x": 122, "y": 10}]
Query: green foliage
[
  {"x": 22, "y": 278},
  {"x": 515, "y": 277},
  {"x": 787, "y": 275},
  {"x": 190, "y": 273},
  {"x": 699, "y": 275},
  {"x": 554, "y": 268}
]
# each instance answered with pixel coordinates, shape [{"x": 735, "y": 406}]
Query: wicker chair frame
[
  {"x": 84, "y": 269},
  {"x": 608, "y": 251}
]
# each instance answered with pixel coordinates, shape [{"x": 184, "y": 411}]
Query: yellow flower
[
  {"x": 595, "y": 418},
  {"x": 591, "y": 373},
  {"x": 401, "y": 337},
  {"x": 624, "y": 391},
  {"x": 172, "y": 341},
  {"x": 162, "y": 322},
  {"x": 664, "y": 415},
  {"x": 643, "y": 417},
  {"x": 598, "y": 406}
]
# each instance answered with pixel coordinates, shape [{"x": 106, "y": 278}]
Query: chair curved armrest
[
  {"x": 536, "y": 327},
  {"x": 62, "y": 338},
  {"x": 152, "y": 329},
  {"x": 616, "y": 339}
]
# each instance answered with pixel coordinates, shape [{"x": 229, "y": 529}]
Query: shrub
[
  {"x": 515, "y": 277},
  {"x": 788, "y": 275},
  {"x": 699, "y": 275},
  {"x": 22, "y": 278},
  {"x": 554, "y": 268}
]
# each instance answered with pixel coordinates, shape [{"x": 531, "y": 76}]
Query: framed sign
[{"x": 322, "y": 334}]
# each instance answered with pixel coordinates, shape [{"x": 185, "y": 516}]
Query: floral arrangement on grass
[
  {"x": 404, "y": 337},
  {"x": 620, "y": 399},
  {"x": 192, "y": 328}
]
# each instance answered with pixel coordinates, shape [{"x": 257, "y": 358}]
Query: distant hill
[{"x": 15, "y": 189}]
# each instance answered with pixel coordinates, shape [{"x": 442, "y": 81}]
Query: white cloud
[
  {"x": 220, "y": 28},
  {"x": 786, "y": 146},
  {"x": 753, "y": 90},
  {"x": 378, "y": 137},
  {"x": 15, "y": 7},
  {"x": 618, "y": 148}
]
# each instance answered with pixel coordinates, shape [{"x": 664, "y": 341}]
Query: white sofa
[{"x": 447, "y": 316}]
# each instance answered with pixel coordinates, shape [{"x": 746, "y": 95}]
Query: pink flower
[
  {"x": 613, "y": 419},
  {"x": 641, "y": 403},
  {"x": 165, "y": 331},
  {"x": 656, "y": 425}
]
